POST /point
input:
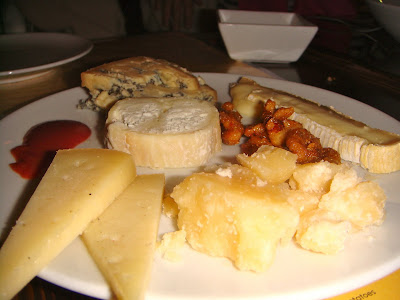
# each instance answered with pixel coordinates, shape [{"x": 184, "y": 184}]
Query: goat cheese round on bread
[{"x": 164, "y": 132}]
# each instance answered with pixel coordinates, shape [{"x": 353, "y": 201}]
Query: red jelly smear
[{"x": 41, "y": 143}]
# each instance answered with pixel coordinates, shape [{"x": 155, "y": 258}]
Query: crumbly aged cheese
[
  {"x": 228, "y": 217},
  {"x": 360, "y": 202},
  {"x": 77, "y": 187},
  {"x": 164, "y": 132},
  {"x": 322, "y": 231},
  {"x": 273, "y": 165},
  {"x": 171, "y": 245},
  {"x": 316, "y": 178},
  {"x": 170, "y": 209},
  {"x": 122, "y": 240},
  {"x": 143, "y": 77},
  {"x": 374, "y": 149},
  {"x": 231, "y": 212},
  {"x": 349, "y": 205}
]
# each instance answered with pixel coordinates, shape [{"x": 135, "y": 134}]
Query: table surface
[{"x": 203, "y": 53}]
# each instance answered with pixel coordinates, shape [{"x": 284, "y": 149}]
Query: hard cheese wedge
[
  {"x": 122, "y": 240},
  {"x": 77, "y": 187}
]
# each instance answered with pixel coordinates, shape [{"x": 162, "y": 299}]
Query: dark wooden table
[{"x": 344, "y": 75}]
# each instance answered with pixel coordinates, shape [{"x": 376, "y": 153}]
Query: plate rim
[{"x": 41, "y": 67}]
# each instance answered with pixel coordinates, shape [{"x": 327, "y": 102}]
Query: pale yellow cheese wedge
[
  {"x": 77, "y": 187},
  {"x": 122, "y": 240},
  {"x": 376, "y": 150}
]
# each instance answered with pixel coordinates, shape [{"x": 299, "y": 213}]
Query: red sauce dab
[{"x": 41, "y": 143}]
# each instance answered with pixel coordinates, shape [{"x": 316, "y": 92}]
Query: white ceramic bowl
[
  {"x": 265, "y": 36},
  {"x": 387, "y": 13}
]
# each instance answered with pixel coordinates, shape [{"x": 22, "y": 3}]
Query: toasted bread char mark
[
  {"x": 376, "y": 150},
  {"x": 143, "y": 77},
  {"x": 165, "y": 132}
]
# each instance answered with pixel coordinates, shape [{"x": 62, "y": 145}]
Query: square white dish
[{"x": 261, "y": 36}]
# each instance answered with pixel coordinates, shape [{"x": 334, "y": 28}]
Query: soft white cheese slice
[
  {"x": 122, "y": 240},
  {"x": 77, "y": 187}
]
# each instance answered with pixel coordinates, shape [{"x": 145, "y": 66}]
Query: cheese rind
[
  {"x": 165, "y": 132},
  {"x": 122, "y": 240},
  {"x": 376, "y": 150},
  {"x": 77, "y": 187}
]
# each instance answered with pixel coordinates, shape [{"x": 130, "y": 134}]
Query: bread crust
[
  {"x": 143, "y": 77},
  {"x": 164, "y": 132}
]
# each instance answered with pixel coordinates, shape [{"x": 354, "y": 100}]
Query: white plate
[
  {"x": 296, "y": 273},
  {"x": 25, "y": 53}
]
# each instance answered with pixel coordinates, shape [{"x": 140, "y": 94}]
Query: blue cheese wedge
[{"x": 143, "y": 77}]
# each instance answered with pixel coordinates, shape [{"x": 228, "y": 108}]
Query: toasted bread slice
[{"x": 143, "y": 77}]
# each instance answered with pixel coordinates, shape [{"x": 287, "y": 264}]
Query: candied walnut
[
  {"x": 259, "y": 140},
  {"x": 276, "y": 132},
  {"x": 291, "y": 124},
  {"x": 269, "y": 109},
  {"x": 276, "y": 129},
  {"x": 250, "y": 148},
  {"x": 231, "y": 136},
  {"x": 258, "y": 137},
  {"x": 283, "y": 113},
  {"x": 331, "y": 155},
  {"x": 307, "y": 147},
  {"x": 232, "y": 128},
  {"x": 257, "y": 129}
]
